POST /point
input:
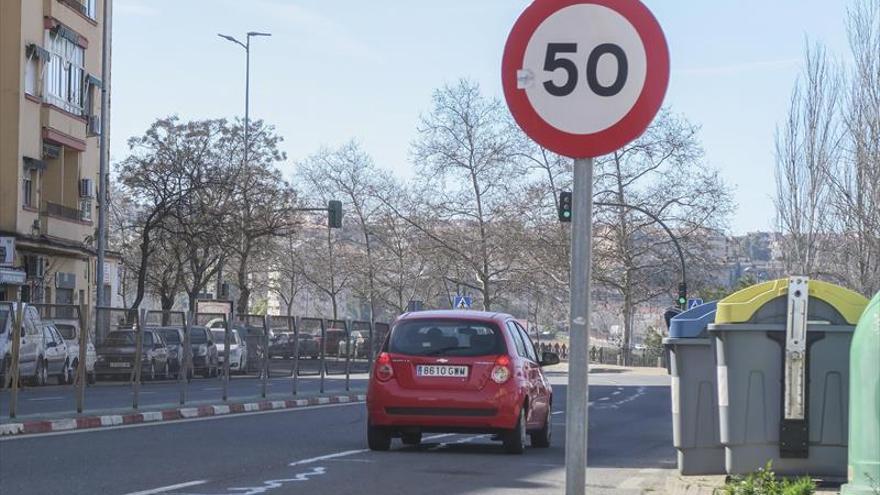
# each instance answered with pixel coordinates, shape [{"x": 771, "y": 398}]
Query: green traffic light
[{"x": 566, "y": 214}]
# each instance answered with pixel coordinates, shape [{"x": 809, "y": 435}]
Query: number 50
[{"x": 552, "y": 62}]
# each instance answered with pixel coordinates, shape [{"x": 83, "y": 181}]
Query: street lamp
[
  {"x": 247, "y": 124},
  {"x": 247, "y": 82}
]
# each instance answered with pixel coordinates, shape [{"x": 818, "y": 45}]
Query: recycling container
[
  {"x": 864, "y": 405},
  {"x": 695, "y": 432},
  {"x": 782, "y": 351}
]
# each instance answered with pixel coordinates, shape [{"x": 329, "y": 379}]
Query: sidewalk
[{"x": 95, "y": 419}]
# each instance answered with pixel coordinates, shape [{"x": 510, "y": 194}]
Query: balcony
[
  {"x": 65, "y": 212},
  {"x": 64, "y": 222}
]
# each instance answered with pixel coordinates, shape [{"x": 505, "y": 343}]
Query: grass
[{"x": 765, "y": 482}]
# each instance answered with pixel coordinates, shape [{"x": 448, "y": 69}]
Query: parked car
[
  {"x": 117, "y": 355},
  {"x": 309, "y": 345},
  {"x": 332, "y": 338},
  {"x": 69, "y": 330},
  {"x": 56, "y": 363},
  {"x": 449, "y": 371},
  {"x": 174, "y": 340},
  {"x": 204, "y": 351},
  {"x": 253, "y": 336},
  {"x": 358, "y": 345},
  {"x": 282, "y": 345},
  {"x": 32, "y": 363},
  {"x": 237, "y": 349}
]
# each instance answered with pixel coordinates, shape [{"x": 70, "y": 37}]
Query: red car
[{"x": 460, "y": 372}]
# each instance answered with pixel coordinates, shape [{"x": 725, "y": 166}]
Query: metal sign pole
[
  {"x": 576, "y": 419},
  {"x": 138, "y": 359},
  {"x": 14, "y": 370},
  {"x": 295, "y": 329},
  {"x": 182, "y": 373},
  {"x": 230, "y": 318},
  {"x": 323, "y": 353},
  {"x": 265, "y": 364}
]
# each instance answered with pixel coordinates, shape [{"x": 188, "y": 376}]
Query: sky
[{"x": 336, "y": 70}]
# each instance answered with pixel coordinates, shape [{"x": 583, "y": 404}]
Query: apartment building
[{"x": 50, "y": 95}]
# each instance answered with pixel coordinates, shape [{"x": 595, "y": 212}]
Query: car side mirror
[
  {"x": 51, "y": 344},
  {"x": 549, "y": 359}
]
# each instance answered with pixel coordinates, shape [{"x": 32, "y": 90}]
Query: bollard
[{"x": 863, "y": 471}]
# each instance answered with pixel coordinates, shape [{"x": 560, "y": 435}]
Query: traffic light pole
[{"x": 578, "y": 368}]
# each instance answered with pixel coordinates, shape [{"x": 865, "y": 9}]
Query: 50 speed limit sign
[{"x": 584, "y": 77}]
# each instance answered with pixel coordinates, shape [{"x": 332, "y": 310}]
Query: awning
[
  {"x": 93, "y": 80},
  {"x": 34, "y": 50},
  {"x": 12, "y": 276},
  {"x": 33, "y": 163}
]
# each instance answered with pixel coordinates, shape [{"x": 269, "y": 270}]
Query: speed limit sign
[{"x": 584, "y": 77}]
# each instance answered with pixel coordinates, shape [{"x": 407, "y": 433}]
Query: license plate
[
  {"x": 120, "y": 365},
  {"x": 442, "y": 371}
]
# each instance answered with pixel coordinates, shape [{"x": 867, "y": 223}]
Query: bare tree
[
  {"x": 466, "y": 158},
  {"x": 807, "y": 146}
]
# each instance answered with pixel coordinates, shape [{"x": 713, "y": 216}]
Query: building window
[
  {"x": 65, "y": 73},
  {"x": 27, "y": 189},
  {"x": 91, "y": 8},
  {"x": 31, "y": 76}
]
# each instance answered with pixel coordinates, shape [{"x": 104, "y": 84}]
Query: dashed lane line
[{"x": 165, "y": 489}]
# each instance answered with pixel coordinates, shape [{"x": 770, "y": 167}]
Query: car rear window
[
  {"x": 66, "y": 331},
  {"x": 171, "y": 336},
  {"x": 446, "y": 338},
  {"x": 4, "y": 314},
  {"x": 120, "y": 338},
  {"x": 198, "y": 336}
]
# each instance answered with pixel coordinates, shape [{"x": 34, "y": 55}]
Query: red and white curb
[{"x": 85, "y": 422}]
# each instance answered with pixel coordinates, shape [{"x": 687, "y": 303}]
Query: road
[
  {"x": 106, "y": 397},
  {"x": 322, "y": 450}
]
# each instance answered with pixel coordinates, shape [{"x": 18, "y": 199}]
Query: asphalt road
[
  {"x": 322, "y": 450},
  {"x": 105, "y": 396}
]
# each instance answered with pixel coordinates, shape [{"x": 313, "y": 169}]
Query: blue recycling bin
[{"x": 695, "y": 428}]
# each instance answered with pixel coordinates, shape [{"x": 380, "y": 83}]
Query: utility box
[
  {"x": 782, "y": 351},
  {"x": 864, "y": 405},
  {"x": 695, "y": 430}
]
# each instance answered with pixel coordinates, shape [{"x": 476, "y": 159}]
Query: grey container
[
  {"x": 750, "y": 359},
  {"x": 695, "y": 429}
]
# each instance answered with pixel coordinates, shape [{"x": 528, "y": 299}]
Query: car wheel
[
  {"x": 166, "y": 373},
  {"x": 93, "y": 378},
  {"x": 6, "y": 371},
  {"x": 515, "y": 439},
  {"x": 152, "y": 375},
  {"x": 411, "y": 438},
  {"x": 541, "y": 438},
  {"x": 378, "y": 438},
  {"x": 43, "y": 374},
  {"x": 66, "y": 376}
]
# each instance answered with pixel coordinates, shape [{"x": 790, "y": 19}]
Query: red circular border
[{"x": 632, "y": 125}]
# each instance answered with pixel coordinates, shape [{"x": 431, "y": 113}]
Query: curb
[{"x": 91, "y": 422}]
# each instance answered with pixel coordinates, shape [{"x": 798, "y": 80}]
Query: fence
[{"x": 181, "y": 357}]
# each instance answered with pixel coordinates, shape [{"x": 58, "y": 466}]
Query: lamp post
[{"x": 247, "y": 99}]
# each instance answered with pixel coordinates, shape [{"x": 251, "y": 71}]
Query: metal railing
[
  {"x": 61, "y": 211},
  {"x": 113, "y": 346}
]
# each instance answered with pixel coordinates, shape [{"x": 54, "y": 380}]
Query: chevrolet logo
[{"x": 441, "y": 360}]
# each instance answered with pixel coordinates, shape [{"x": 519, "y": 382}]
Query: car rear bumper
[{"x": 392, "y": 406}]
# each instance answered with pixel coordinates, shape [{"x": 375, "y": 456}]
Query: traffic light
[
  {"x": 334, "y": 214},
  {"x": 682, "y": 295},
  {"x": 564, "y": 206}
]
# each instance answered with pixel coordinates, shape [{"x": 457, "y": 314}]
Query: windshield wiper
[{"x": 437, "y": 352}]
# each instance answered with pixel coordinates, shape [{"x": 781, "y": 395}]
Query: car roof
[{"x": 454, "y": 314}]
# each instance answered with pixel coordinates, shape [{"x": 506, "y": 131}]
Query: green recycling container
[
  {"x": 863, "y": 470},
  {"x": 755, "y": 356}
]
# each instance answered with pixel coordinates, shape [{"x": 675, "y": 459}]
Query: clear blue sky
[{"x": 341, "y": 69}]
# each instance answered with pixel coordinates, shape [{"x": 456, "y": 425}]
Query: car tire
[
  {"x": 411, "y": 438},
  {"x": 152, "y": 375},
  {"x": 92, "y": 378},
  {"x": 66, "y": 376},
  {"x": 378, "y": 438},
  {"x": 541, "y": 438},
  {"x": 166, "y": 373},
  {"x": 515, "y": 439},
  {"x": 6, "y": 371}
]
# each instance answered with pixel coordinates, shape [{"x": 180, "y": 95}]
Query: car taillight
[
  {"x": 384, "y": 371},
  {"x": 501, "y": 371}
]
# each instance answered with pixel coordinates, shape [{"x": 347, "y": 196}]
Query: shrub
[{"x": 764, "y": 482}]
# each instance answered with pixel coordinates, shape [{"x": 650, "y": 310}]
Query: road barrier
[{"x": 133, "y": 348}]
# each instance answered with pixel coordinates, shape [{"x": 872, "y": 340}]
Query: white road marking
[
  {"x": 164, "y": 489},
  {"x": 327, "y": 457},
  {"x": 272, "y": 484},
  {"x": 558, "y": 412},
  {"x": 177, "y": 421},
  {"x": 631, "y": 483},
  {"x": 616, "y": 392},
  {"x": 38, "y": 399}
]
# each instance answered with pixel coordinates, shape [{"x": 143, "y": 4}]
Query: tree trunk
[
  {"x": 142, "y": 269},
  {"x": 244, "y": 293}
]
